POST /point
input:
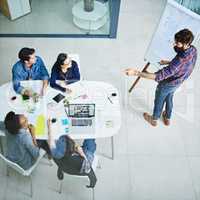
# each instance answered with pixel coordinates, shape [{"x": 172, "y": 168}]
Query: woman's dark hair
[
  {"x": 24, "y": 53},
  {"x": 184, "y": 36},
  {"x": 12, "y": 123},
  {"x": 70, "y": 146},
  {"x": 60, "y": 60}
]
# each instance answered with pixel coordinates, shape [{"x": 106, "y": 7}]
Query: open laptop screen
[{"x": 81, "y": 110}]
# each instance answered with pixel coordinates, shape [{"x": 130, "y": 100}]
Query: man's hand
[
  {"x": 164, "y": 62},
  {"x": 131, "y": 72},
  {"x": 27, "y": 93},
  {"x": 143, "y": 74}
]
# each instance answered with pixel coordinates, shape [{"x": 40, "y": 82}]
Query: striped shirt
[{"x": 179, "y": 68}]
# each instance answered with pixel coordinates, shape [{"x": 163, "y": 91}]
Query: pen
[
  {"x": 110, "y": 100},
  {"x": 77, "y": 97}
]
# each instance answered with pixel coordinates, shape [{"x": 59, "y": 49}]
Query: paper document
[{"x": 40, "y": 125}]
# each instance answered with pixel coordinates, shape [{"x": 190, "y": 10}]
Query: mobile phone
[{"x": 58, "y": 98}]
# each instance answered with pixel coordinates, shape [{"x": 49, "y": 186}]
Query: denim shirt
[
  {"x": 21, "y": 73},
  {"x": 20, "y": 148}
]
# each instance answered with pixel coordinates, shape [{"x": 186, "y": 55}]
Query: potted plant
[{"x": 88, "y": 5}]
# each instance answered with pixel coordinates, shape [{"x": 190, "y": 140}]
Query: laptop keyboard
[{"x": 81, "y": 122}]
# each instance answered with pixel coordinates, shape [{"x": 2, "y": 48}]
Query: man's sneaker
[
  {"x": 166, "y": 121},
  {"x": 150, "y": 119}
]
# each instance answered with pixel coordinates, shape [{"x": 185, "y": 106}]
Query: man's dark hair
[
  {"x": 12, "y": 123},
  {"x": 24, "y": 53},
  {"x": 184, "y": 36}
]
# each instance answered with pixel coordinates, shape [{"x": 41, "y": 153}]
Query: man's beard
[{"x": 179, "y": 49}]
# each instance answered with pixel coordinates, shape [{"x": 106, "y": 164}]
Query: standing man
[
  {"x": 170, "y": 77},
  {"x": 29, "y": 67}
]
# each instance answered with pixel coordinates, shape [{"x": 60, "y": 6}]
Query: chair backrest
[
  {"x": 71, "y": 165},
  {"x": 13, "y": 165},
  {"x": 76, "y": 58},
  {"x": 64, "y": 167}
]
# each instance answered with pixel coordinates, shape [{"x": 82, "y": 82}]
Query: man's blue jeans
[{"x": 164, "y": 95}]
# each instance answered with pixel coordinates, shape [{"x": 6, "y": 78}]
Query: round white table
[
  {"x": 90, "y": 20},
  {"x": 107, "y": 107}
]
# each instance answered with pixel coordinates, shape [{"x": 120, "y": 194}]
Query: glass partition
[
  {"x": 193, "y": 5},
  {"x": 63, "y": 18}
]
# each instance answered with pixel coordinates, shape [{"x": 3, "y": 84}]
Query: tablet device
[{"x": 58, "y": 98}]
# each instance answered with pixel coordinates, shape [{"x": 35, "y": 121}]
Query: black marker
[{"x": 110, "y": 100}]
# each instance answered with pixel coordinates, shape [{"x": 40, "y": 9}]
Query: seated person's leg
[
  {"x": 44, "y": 145},
  {"x": 89, "y": 145},
  {"x": 89, "y": 148}
]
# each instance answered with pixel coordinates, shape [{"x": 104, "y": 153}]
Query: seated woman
[
  {"x": 76, "y": 159},
  {"x": 65, "y": 70},
  {"x": 22, "y": 146}
]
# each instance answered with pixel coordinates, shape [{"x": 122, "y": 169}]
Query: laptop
[{"x": 81, "y": 118}]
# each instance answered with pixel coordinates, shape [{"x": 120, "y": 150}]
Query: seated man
[
  {"x": 65, "y": 70},
  {"x": 77, "y": 159},
  {"x": 29, "y": 67},
  {"x": 22, "y": 146}
]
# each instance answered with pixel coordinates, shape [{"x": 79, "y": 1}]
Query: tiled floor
[{"x": 150, "y": 163}]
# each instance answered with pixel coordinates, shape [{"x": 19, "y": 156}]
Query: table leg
[
  {"x": 112, "y": 147},
  {"x": 112, "y": 150}
]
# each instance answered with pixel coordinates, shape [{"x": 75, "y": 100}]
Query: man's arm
[
  {"x": 169, "y": 70},
  {"x": 44, "y": 87},
  {"x": 134, "y": 72},
  {"x": 44, "y": 75},
  {"x": 160, "y": 75},
  {"x": 16, "y": 78}
]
